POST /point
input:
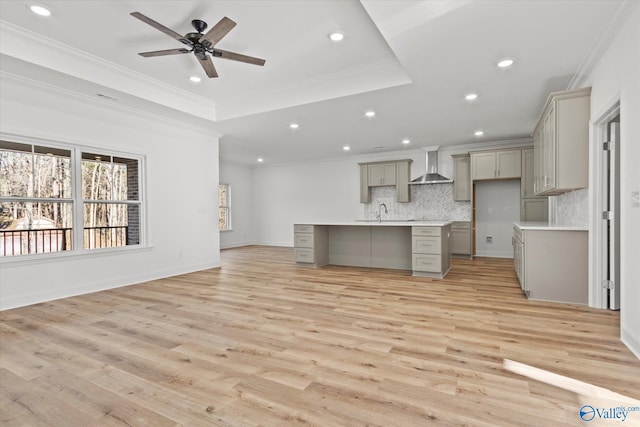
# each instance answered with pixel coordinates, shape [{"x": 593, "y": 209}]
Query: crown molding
[
  {"x": 603, "y": 41},
  {"x": 490, "y": 145},
  {"x": 31, "y": 47},
  {"x": 113, "y": 105}
]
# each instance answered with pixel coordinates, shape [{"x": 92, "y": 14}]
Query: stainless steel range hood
[{"x": 432, "y": 176}]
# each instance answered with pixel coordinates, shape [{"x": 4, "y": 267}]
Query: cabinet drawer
[
  {"x": 461, "y": 225},
  {"x": 428, "y": 263},
  {"x": 304, "y": 255},
  {"x": 425, "y": 231},
  {"x": 426, "y": 245},
  {"x": 303, "y": 240},
  {"x": 300, "y": 228}
]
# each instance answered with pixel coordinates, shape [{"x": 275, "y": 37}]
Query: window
[
  {"x": 110, "y": 200},
  {"x": 224, "y": 206},
  {"x": 44, "y": 208}
]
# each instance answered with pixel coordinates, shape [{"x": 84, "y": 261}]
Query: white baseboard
[
  {"x": 495, "y": 254},
  {"x": 630, "y": 339},
  {"x": 118, "y": 282}
]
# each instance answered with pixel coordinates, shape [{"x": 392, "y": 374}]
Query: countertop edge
[
  {"x": 541, "y": 226},
  {"x": 381, "y": 224}
]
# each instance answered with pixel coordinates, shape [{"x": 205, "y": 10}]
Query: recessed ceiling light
[
  {"x": 479, "y": 133},
  {"x": 471, "y": 97},
  {"x": 260, "y": 160},
  {"x": 346, "y": 148},
  {"x": 39, "y": 10},
  {"x": 370, "y": 113},
  {"x": 336, "y": 36},
  {"x": 294, "y": 126},
  {"x": 505, "y": 63},
  {"x": 406, "y": 141},
  {"x": 195, "y": 79}
]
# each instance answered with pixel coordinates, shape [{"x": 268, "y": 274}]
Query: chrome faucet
[{"x": 379, "y": 213}]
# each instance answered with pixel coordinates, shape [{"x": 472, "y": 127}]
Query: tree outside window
[{"x": 224, "y": 206}]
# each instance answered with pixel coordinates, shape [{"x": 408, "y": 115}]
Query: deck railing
[{"x": 23, "y": 242}]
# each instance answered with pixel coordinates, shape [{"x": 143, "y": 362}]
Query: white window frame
[{"x": 77, "y": 200}]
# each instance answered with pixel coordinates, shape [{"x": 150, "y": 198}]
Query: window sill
[{"x": 70, "y": 255}]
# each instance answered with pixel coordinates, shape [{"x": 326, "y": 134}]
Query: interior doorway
[
  {"x": 611, "y": 215},
  {"x": 606, "y": 146}
]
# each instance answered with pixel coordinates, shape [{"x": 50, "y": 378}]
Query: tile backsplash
[
  {"x": 428, "y": 202},
  {"x": 572, "y": 209}
]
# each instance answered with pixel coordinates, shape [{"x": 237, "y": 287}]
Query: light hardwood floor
[{"x": 263, "y": 342}]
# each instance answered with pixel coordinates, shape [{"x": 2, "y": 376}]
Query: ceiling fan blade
[
  {"x": 207, "y": 65},
  {"x": 164, "y": 52},
  {"x": 161, "y": 27},
  {"x": 224, "y": 54},
  {"x": 217, "y": 32}
]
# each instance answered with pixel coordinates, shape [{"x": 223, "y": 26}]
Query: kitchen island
[{"x": 418, "y": 246}]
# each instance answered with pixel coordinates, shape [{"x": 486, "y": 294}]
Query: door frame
[{"x": 599, "y": 134}]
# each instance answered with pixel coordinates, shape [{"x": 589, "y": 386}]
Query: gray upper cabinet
[
  {"x": 365, "y": 192},
  {"x": 526, "y": 186},
  {"x": 382, "y": 174},
  {"x": 461, "y": 177},
  {"x": 532, "y": 207},
  {"x": 403, "y": 176},
  {"x": 393, "y": 173},
  {"x": 499, "y": 164},
  {"x": 561, "y": 143}
]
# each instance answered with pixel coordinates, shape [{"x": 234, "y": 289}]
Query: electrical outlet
[{"x": 489, "y": 239}]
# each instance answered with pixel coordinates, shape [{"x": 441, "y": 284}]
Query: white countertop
[
  {"x": 523, "y": 225},
  {"x": 383, "y": 223}
]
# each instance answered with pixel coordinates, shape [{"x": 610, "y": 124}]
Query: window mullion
[{"x": 78, "y": 205}]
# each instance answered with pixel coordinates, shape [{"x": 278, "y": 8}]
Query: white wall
[
  {"x": 318, "y": 191},
  {"x": 240, "y": 178},
  {"x": 181, "y": 183},
  {"x": 617, "y": 77},
  {"x": 497, "y": 207}
]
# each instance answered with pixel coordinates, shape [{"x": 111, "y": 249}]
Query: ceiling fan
[{"x": 202, "y": 45}]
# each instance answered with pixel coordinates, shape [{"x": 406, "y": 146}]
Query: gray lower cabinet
[
  {"x": 310, "y": 244},
  {"x": 461, "y": 239},
  {"x": 552, "y": 264},
  {"x": 430, "y": 251}
]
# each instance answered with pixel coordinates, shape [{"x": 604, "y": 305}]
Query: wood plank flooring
[{"x": 262, "y": 342}]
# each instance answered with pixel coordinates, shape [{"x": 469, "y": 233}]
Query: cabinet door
[
  {"x": 483, "y": 165},
  {"x": 549, "y": 151},
  {"x": 526, "y": 182},
  {"x": 508, "y": 164},
  {"x": 461, "y": 241},
  {"x": 382, "y": 174},
  {"x": 376, "y": 175},
  {"x": 403, "y": 174},
  {"x": 365, "y": 194},
  {"x": 461, "y": 178},
  {"x": 389, "y": 174}
]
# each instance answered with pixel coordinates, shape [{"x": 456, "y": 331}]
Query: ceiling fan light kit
[{"x": 201, "y": 44}]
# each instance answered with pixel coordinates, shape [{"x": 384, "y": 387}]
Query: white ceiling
[{"x": 412, "y": 62}]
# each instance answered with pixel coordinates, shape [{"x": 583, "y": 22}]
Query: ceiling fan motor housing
[{"x": 199, "y": 25}]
